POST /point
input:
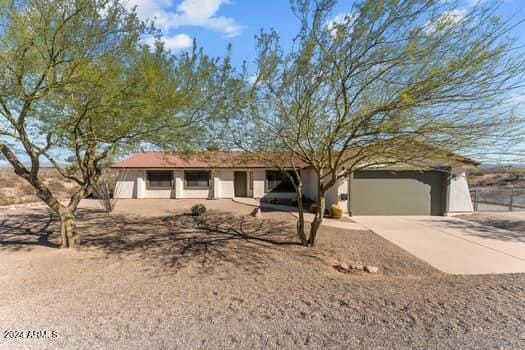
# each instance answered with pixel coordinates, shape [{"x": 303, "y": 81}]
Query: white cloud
[
  {"x": 448, "y": 18},
  {"x": 178, "y": 42},
  {"x": 197, "y": 13},
  {"x": 455, "y": 15},
  {"x": 252, "y": 79},
  {"x": 174, "y": 42},
  {"x": 340, "y": 19}
]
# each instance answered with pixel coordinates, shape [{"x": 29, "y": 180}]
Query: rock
[
  {"x": 344, "y": 266},
  {"x": 357, "y": 266},
  {"x": 371, "y": 269},
  {"x": 256, "y": 212}
]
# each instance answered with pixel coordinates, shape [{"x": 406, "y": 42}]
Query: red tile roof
[
  {"x": 220, "y": 159},
  {"x": 209, "y": 159}
]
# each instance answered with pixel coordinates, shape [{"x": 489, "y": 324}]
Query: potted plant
[{"x": 336, "y": 211}]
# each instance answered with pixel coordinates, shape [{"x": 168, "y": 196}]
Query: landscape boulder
[
  {"x": 357, "y": 266},
  {"x": 344, "y": 266},
  {"x": 371, "y": 269},
  {"x": 349, "y": 266}
]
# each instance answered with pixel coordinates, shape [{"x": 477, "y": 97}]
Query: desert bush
[
  {"x": 103, "y": 191},
  {"x": 198, "y": 209}
]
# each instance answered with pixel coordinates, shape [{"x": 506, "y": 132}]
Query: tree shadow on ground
[
  {"x": 214, "y": 240},
  {"x": 513, "y": 230},
  {"x": 22, "y": 232},
  {"x": 209, "y": 242},
  {"x": 516, "y": 226}
]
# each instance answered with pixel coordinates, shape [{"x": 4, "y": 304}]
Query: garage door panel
[{"x": 399, "y": 193}]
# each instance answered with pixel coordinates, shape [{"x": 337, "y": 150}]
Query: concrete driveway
[{"x": 452, "y": 245}]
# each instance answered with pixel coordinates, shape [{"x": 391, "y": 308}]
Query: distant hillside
[
  {"x": 497, "y": 177},
  {"x": 15, "y": 190}
]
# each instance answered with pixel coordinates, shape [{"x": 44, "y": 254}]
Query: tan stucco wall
[
  {"x": 224, "y": 180},
  {"x": 309, "y": 179},
  {"x": 181, "y": 192},
  {"x": 342, "y": 187},
  {"x": 153, "y": 193},
  {"x": 132, "y": 184},
  {"x": 459, "y": 200},
  {"x": 258, "y": 183},
  {"x": 126, "y": 184}
]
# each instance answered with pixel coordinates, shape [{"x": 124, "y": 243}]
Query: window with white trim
[{"x": 196, "y": 179}]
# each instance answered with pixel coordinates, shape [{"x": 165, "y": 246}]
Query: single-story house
[{"x": 213, "y": 175}]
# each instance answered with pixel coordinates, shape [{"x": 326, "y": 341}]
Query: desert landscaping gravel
[{"x": 151, "y": 277}]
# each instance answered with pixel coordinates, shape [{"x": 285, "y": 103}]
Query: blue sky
[{"x": 216, "y": 23}]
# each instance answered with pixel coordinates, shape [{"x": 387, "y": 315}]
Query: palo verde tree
[
  {"x": 391, "y": 82},
  {"x": 78, "y": 85}
]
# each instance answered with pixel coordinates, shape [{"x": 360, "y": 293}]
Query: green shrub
[{"x": 198, "y": 209}]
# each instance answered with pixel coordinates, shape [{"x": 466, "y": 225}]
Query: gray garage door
[{"x": 397, "y": 193}]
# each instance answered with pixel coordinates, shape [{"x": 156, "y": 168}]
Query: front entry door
[{"x": 240, "y": 184}]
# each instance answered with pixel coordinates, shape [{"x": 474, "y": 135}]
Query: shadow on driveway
[{"x": 500, "y": 229}]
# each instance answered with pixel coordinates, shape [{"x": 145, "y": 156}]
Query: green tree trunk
[
  {"x": 300, "y": 220},
  {"x": 68, "y": 234},
  {"x": 318, "y": 219}
]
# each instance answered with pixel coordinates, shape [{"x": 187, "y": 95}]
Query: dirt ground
[{"x": 151, "y": 276}]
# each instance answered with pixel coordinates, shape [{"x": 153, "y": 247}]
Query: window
[
  {"x": 197, "y": 179},
  {"x": 277, "y": 181},
  {"x": 159, "y": 179}
]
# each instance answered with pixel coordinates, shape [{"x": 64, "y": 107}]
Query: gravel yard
[{"x": 150, "y": 276}]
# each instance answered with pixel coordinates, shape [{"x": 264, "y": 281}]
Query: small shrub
[{"x": 198, "y": 209}]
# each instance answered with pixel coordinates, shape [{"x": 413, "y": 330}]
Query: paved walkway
[{"x": 451, "y": 244}]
